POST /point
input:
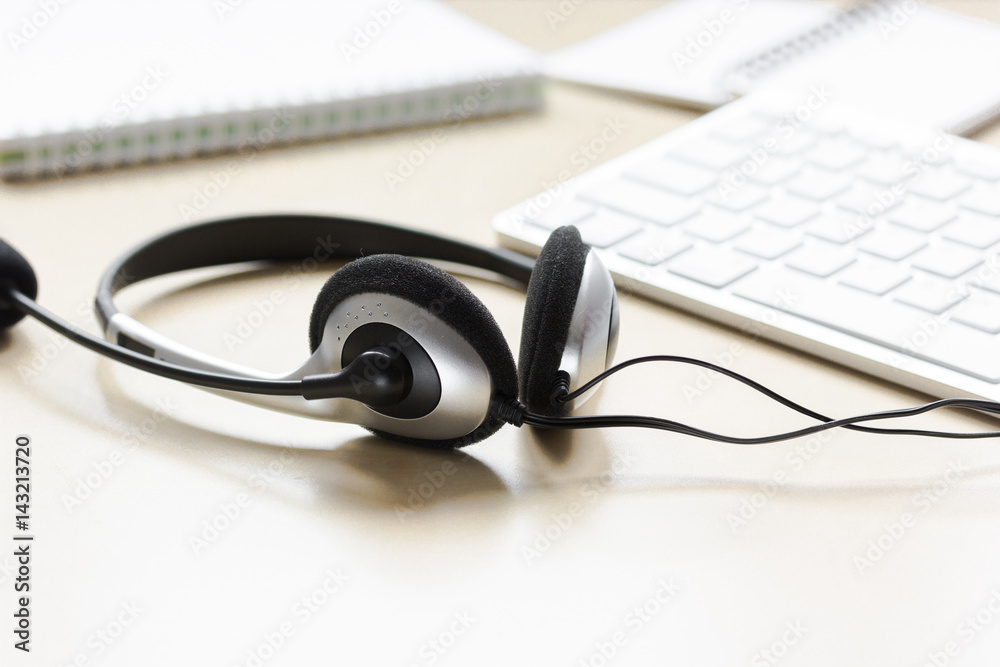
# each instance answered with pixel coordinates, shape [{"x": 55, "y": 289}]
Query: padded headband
[{"x": 289, "y": 238}]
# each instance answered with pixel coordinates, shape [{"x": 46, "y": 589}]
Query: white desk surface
[{"x": 533, "y": 550}]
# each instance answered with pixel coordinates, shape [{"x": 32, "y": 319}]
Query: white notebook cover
[
  {"x": 684, "y": 51},
  {"x": 141, "y": 72},
  {"x": 900, "y": 59}
]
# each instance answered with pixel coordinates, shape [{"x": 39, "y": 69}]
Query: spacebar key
[{"x": 887, "y": 323}]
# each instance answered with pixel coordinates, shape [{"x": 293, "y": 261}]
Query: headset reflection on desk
[{"x": 399, "y": 346}]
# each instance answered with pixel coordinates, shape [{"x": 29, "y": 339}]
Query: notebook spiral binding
[
  {"x": 243, "y": 132},
  {"x": 747, "y": 73}
]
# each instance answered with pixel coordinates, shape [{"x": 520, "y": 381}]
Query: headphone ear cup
[
  {"x": 423, "y": 285},
  {"x": 552, "y": 294},
  {"x": 16, "y": 272}
]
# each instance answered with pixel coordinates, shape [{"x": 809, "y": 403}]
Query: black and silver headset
[{"x": 399, "y": 346}]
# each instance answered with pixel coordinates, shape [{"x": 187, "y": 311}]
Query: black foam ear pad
[
  {"x": 15, "y": 271},
  {"x": 422, "y": 284},
  {"x": 552, "y": 292}
]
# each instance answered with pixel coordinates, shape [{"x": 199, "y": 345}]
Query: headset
[{"x": 398, "y": 345}]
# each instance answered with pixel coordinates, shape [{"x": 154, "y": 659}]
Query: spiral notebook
[
  {"x": 112, "y": 82},
  {"x": 897, "y": 58}
]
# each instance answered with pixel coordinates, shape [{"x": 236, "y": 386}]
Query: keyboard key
[
  {"x": 715, "y": 267},
  {"x": 935, "y": 295},
  {"x": 973, "y": 229},
  {"x": 607, "y": 228},
  {"x": 874, "y": 275},
  {"x": 776, "y": 169},
  {"x": 819, "y": 184},
  {"x": 820, "y": 258},
  {"x": 892, "y": 242},
  {"x": 716, "y": 226},
  {"x": 884, "y": 169},
  {"x": 787, "y": 211},
  {"x": 939, "y": 183},
  {"x": 768, "y": 242},
  {"x": 796, "y": 143},
  {"x": 894, "y": 325},
  {"x": 827, "y": 126},
  {"x": 982, "y": 199},
  {"x": 871, "y": 234},
  {"x": 835, "y": 155},
  {"x": 980, "y": 310},
  {"x": 923, "y": 215},
  {"x": 986, "y": 276},
  {"x": 709, "y": 152},
  {"x": 737, "y": 199},
  {"x": 868, "y": 199},
  {"x": 642, "y": 200},
  {"x": 837, "y": 227},
  {"x": 678, "y": 177},
  {"x": 563, "y": 212},
  {"x": 654, "y": 246},
  {"x": 947, "y": 259}
]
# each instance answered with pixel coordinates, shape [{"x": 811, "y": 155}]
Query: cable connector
[
  {"x": 560, "y": 390},
  {"x": 510, "y": 410},
  {"x": 388, "y": 385}
]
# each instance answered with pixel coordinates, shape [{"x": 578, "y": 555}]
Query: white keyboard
[{"x": 851, "y": 237}]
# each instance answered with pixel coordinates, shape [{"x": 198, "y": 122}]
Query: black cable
[
  {"x": 315, "y": 385},
  {"x": 145, "y": 363},
  {"x": 984, "y": 406},
  {"x": 619, "y": 421}
]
